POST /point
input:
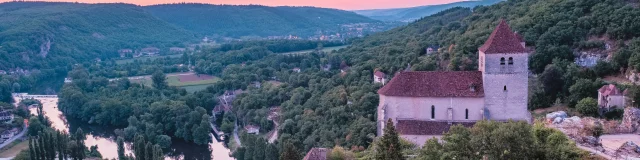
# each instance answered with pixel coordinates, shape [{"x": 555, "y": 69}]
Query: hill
[
  {"x": 254, "y": 20},
  {"x": 49, "y": 35},
  {"x": 413, "y": 13}
]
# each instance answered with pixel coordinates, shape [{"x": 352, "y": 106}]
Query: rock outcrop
[{"x": 630, "y": 120}]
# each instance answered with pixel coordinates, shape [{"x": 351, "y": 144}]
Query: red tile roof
[
  {"x": 416, "y": 127},
  {"x": 316, "y": 154},
  {"x": 610, "y": 89},
  {"x": 379, "y": 74},
  {"x": 502, "y": 40},
  {"x": 519, "y": 37},
  {"x": 435, "y": 84}
]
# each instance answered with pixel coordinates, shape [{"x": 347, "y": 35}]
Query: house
[
  {"x": 609, "y": 96},
  {"x": 317, "y": 154},
  {"x": 177, "y": 49},
  {"x": 251, "y": 129},
  {"x": 2, "y": 72},
  {"x": 123, "y": 52},
  {"x": 379, "y": 77},
  {"x": 297, "y": 70},
  {"x": 67, "y": 80},
  {"x": 6, "y": 116},
  {"x": 344, "y": 67},
  {"x": 425, "y": 104},
  {"x": 150, "y": 51},
  {"x": 326, "y": 67},
  {"x": 432, "y": 49},
  {"x": 9, "y": 133},
  {"x": 256, "y": 84}
]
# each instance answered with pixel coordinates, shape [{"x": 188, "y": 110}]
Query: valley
[{"x": 537, "y": 79}]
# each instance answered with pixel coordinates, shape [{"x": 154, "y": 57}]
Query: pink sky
[{"x": 340, "y": 4}]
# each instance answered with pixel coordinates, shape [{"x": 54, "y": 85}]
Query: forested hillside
[
  {"x": 254, "y": 20},
  {"x": 413, "y": 13},
  {"x": 48, "y": 35}
]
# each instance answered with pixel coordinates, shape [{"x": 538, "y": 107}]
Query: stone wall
[
  {"x": 506, "y": 86},
  {"x": 419, "y": 108}
]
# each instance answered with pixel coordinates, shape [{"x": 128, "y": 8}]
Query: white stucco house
[
  {"x": 610, "y": 97},
  {"x": 423, "y": 104}
]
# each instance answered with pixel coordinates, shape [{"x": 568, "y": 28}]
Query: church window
[
  {"x": 502, "y": 61},
  {"x": 505, "y": 88},
  {"x": 433, "y": 112},
  {"x": 466, "y": 113},
  {"x": 510, "y": 60}
]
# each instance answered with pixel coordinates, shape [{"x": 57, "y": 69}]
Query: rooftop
[
  {"x": 379, "y": 74},
  {"x": 316, "y": 154},
  {"x": 502, "y": 40},
  {"x": 610, "y": 89},
  {"x": 435, "y": 84}
]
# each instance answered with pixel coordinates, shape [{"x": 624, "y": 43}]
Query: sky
[{"x": 339, "y": 4}]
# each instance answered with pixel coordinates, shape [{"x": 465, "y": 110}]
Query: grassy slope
[{"x": 255, "y": 20}]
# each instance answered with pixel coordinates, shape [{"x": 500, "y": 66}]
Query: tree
[
  {"x": 584, "y": 88},
  {"x": 604, "y": 68},
  {"x": 597, "y": 131},
  {"x": 159, "y": 80},
  {"x": 432, "y": 149},
  {"x": 121, "y": 154},
  {"x": 202, "y": 134},
  {"x": 588, "y": 107},
  {"x": 289, "y": 152},
  {"x": 389, "y": 147},
  {"x": 551, "y": 78}
]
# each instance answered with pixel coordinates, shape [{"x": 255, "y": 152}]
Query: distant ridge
[
  {"x": 414, "y": 13},
  {"x": 253, "y": 20}
]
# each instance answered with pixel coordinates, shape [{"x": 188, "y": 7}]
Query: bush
[
  {"x": 615, "y": 114},
  {"x": 588, "y": 107}
]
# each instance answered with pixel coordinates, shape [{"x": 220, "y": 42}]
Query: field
[
  {"x": 130, "y": 60},
  {"x": 326, "y": 49},
  {"x": 13, "y": 149},
  {"x": 189, "y": 81}
]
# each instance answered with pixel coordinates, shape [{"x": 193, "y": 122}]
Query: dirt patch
[
  {"x": 617, "y": 79},
  {"x": 193, "y": 77}
]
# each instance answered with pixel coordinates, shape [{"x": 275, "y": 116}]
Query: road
[
  {"x": 594, "y": 151},
  {"x": 7, "y": 142}
]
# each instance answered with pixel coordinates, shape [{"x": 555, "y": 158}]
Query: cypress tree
[
  {"x": 51, "y": 150},
  {"x": 389, "y": 146},
  {"x": 121, "y": 155},
  {"x": 148, "y": 151},
  {"x": 41, "y": 147},
  {"x": 32, "y": 152},
  {"x": 157, "y": 152},
  {"x": 139, "y": 148}
]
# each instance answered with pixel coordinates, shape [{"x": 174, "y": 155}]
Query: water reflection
[{"x": 104, "y": 137}]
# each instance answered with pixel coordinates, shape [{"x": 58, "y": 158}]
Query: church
[{"x": 425, "y": 104}]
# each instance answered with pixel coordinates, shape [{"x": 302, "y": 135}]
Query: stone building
[
  {"x": 379, "y": 77},
  {"x": 423, "y": 105},
  {"x": 610, "y": 97}
]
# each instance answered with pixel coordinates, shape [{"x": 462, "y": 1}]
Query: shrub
[{"x": 588, "y": 107}]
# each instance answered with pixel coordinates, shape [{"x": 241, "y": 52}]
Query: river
[{"x": 104, "y": 138}]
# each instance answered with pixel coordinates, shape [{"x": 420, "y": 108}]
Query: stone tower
[{"x": 503, "y": 62}]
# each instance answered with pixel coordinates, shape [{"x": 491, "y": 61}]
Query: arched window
[
  {"x": 466, "y": 113},
  {"x": 505, "y": 88},
  {"x": 510, "y": 60},
  {"x": 433, "y": 112},
  {"x": 502, "y": 61}
]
